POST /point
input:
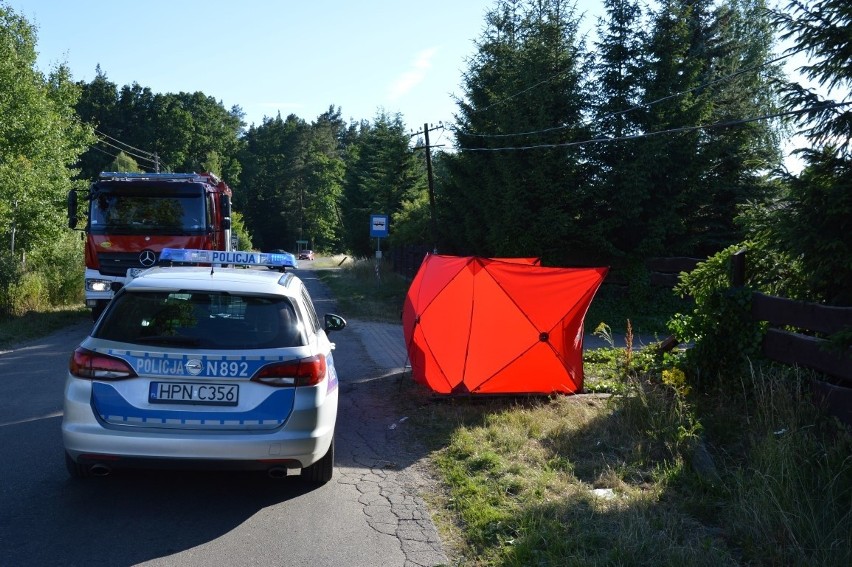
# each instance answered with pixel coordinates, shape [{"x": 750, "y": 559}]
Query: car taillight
[
  {"x": 303, "y": 372},
  {"x": 92, "y": 365}
]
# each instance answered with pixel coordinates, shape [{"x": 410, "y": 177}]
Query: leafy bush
[
  {"x": 30, "y": 294},
  {"x": 238, "y": 226},
  {"x": 61, "y": 268},
  {"x": 719, "y": 326},
  {"x": 770, "y": 268},
  {"x": 11, "y": 272},
  {"x": 47, "y": 277}
]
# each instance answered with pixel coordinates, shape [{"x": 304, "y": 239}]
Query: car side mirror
[{"x": 334, "y": 322}]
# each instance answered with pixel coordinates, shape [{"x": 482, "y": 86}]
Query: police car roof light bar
[{"x": 236, "y": 258}]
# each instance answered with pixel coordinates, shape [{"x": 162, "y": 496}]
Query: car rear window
[{"x": 201, "y": 320}]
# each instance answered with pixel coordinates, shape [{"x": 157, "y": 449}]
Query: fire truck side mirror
[
  {"x": 225, "y": 201},
  {"x": 72, "y": 209}
]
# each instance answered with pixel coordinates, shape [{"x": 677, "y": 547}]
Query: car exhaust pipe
[
  {"x": 99, "y": 469},
  {"x": 277, "y": 472}
]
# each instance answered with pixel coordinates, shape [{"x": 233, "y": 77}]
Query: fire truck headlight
[{"x": 98, "y": 285}]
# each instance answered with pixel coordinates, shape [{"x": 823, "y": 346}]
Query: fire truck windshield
[{"x": 151, "y": 211}]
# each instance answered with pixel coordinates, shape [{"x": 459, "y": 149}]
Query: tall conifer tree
[
  {"x": 382, "y": 174},
  {"x": 524, "y": 89},
  {"x": 816, "y": 223},
  {"x": 620, "y": 181},
  {"x": 705, "y": 67}
]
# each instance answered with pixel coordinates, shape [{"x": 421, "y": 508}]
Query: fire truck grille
[{"x": 117, "y": 263}]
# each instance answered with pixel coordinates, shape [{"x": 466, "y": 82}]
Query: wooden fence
[
  {"x": 797, "y": 347},
  {"x": 406, "y": 259},
  {"x": 799, "y": 332},
  {"x": 664, "y": 272},
  {"x": 792, "y": 339}
]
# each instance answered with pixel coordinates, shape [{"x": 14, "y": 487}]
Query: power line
[
  {"x": 519, "y": 93},
  {"x": 153, "y": 161},
  {"x": 437, "y": 143},
  {"x": 679, "y": 130},
  {"x": 97, "y": 149},
  {"x": 124, "y": 143},
  {"x": 631, "y": 109},
  {"x": 151, "y": 157}
]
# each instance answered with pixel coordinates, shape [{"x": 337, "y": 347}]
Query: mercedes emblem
[{"x": 147, "y": 258}]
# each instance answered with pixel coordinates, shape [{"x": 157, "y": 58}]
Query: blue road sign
[{"x": 379, "y": 226}]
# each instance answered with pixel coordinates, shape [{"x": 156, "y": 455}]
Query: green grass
[
  {"x": 362, "y": 291},
  {"x": 522, "y": 477},
  {"x": 610, "y": 481},
  {"x": 32, "y": 325}
]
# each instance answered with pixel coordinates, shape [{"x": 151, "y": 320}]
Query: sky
[{"x": 289, "y": 56}]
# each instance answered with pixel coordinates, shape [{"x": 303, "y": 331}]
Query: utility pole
[
  {"x": 14, "y": 223},
  {"x": 433, "y": 224}
]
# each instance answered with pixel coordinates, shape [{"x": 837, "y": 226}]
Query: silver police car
[{"x": 212, "y": 367}]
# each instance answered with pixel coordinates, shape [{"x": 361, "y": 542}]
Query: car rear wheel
[
  {"x": 76, "y": 470},
  {"x": 321, "y": 471}
]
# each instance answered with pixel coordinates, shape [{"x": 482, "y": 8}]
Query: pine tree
[
  {"x": 97, "y": 107},
  {"x": 705, "y": 67},
  {"x": 325, "y": 170},
  {"x": 184, "y": 130},
  {"x": 382, "y": 173},
  {"x": 273, "y": 181},
  {"x": 620, "y": 181},
  {"x": 736, "y": 159},
  {"x": 524, "y": 90},
  {"x": 816, "y": 222},
  {"x": 821, "y": 29},
  {"x": 677, "y": 63}
]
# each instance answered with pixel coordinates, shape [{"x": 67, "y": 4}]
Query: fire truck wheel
[{"x": 98, "y": 309}]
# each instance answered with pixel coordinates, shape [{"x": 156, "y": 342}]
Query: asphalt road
[{"x": 370, "y": 514}]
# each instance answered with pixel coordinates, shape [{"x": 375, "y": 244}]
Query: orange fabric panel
[
  {"x": 486, "y": 326},
  {"x": 538, "y": 371}
]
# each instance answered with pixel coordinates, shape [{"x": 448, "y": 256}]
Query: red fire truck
[{"x": 133, "y": 216}]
